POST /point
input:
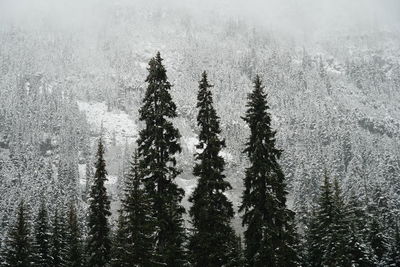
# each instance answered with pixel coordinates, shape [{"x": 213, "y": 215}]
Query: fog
[{"x": 299, "y": 19}]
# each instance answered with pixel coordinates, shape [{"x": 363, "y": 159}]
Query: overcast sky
[{"x": 292, "y": 17}]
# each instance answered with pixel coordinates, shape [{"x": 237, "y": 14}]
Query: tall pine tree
[
  {"x": 99, "y": 242},
  {"x": 334, "y": 236},
  {"x": 135, "y": 238},
  {"x": 270, "y": 236},
  {"x": 42, "y": 245},
  {"x": 213, "y": 241},
  {"x": 74, "y": 253},
  {"x": 338, "y": 250},
  {"x": 320, "y": 227},
  {"x": 58, "y": 240},
  {"x": 359, "y": 250},
  {"x": 119, "y": 249},
  {"x": 157, "y": 146},
  {"x": 377, "y": 241},
  {"x": 395, "y": 247},
  {"x": 18, "y": 247}
]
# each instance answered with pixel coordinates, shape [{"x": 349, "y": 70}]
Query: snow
[
  {"x": 116, "y": 124},
  {"x": 82, "y": 174},
  {"x": 111, "y": 179},
  {"x": 191, "y": 142}
]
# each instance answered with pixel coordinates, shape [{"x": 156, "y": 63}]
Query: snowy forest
[{"x": 223, "y": 133}]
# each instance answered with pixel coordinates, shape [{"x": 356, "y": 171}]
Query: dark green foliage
[
  {"x": 269, "y": 237},
  {"x": 157, "y": 146},
  {"x": 335, "y": 231},
  {"x": 99, "y": 243},
  {"x": 42, "y": 240},
  {"x": 58, "y": 240},
  {"x": 135, "y": 238},
  {"x": 395, "y": 248},
  {"x": 359, "y": 250},
  {"x": 377, "y": 241},
  {"x": 119, "y": 250},
  {"x": 213, "y": 241},
  {"x": 238, "y": 258},
  {"x": 312, "y": 244},
  {"x": 337, "y": 251},
  {"x": 18, "y": 245},
  {"x": 321, "y": 227},
  {"x": 74, "y": 247}
]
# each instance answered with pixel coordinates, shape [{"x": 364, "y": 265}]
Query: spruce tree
[
  {"x": 338, "y": 249},
  {"x": 135, "y": 239},
  {"x": 99, "y": 242},
  {"x": 58, "y": 240},
  {"x": 18, "y": 247},
  {"x": 270, "y": 234},
  {"x": 334, "y": 234},
  {"x": 157, "y": 146},
  {"x": 377, "y": 241},
  {"x": 312, "y": 244},
  {"x": 213, "y": 241},
  {"x": 119, "y": 249},
  {"x": 395, "y": 248},
  {"x": 320, "y": 234},
  {"x": 359, "y": 250},
  {"x": 74, "y": 253},
  {"x": 42, "y": 240}
]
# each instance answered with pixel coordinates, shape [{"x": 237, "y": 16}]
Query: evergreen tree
[
  {"x": 42, "y": 244},
  {"x": 337, "y": 251},
  {"x": 270, "y": 234},
  {"x": 58, "y": 240},
  {"x": 18, "y": 247},
  {"x": 377, "y": 241},
  {"x": 359, "y": 250},
  {"x": 213, "y": 242},
  {"x": 99, "y": 243},
  {"x": 157, "y": 146},
  {"x": 74, "y": 257},
  {"x": 119, "y": 249},
  {"x": 320, "y": 226},
  {"x": 395, "y": 249},
  {"x": 312, "y": 244},
  {"x": 334, "y": 236},
  {"x": 135, "y": 237}
]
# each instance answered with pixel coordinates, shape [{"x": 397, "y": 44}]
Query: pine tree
[
  {"x": 18, "y": 247},
  {"x": 42, "y": 244},
  {"x": 270, "y": 235},
  {"x": 359, "y": 250},
  {"x": 119, "y": 250},
  {"x": 377, "y": 241},
  {"x": 99, "y": 243},
  {"x": 312, "y": 257},
  {"x": 135, "y": 237},
  {"x": 74, "y": 254},
  {"x": 157, "y": 146},
  {"x": 213, "y": 242},
  {"x": 395, "y": 249},
  {"x": 334, "y": 236},
  {"x": 338, "y": 249},
  {"x": 58, "y": 240}
]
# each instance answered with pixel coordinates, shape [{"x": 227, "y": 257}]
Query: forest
[
  {"x": 263, "y": 134},
  {"x": 151, "y": 228}
]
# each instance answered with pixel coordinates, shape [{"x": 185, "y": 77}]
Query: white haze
[{"x": 301, "y": 20}]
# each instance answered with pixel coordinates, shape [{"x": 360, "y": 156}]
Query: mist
[{"x": 303, "y": 20}]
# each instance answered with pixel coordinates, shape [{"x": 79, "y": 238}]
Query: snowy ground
[{"x": 117, "y": 125}]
